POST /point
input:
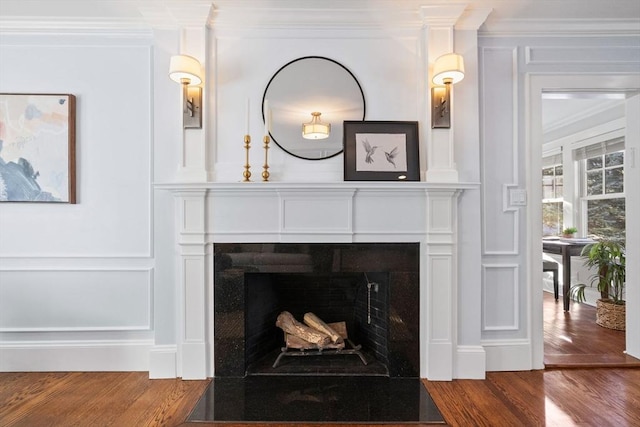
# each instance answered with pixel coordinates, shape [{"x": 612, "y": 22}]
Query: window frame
[
  {"x": 584, "y": 198},
  {"x": 555, "y": 161}
]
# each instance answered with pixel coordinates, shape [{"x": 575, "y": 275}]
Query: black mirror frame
[{"x": 264, "y": 96}]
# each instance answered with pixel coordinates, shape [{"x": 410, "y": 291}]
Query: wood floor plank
[
  {"x": 96, "y": 399},
  {"x": 521, "y": 392},
  {"x": 19, "y": 394},
  {"x": 593, "y": 397},
  {"x": 470, "y": 402},
  {"x": 590, "y": 388},
  {"x": 166, "y": 403},
  {"x": 576, "y": 333}
]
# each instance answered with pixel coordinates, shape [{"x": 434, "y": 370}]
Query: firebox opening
[
  {"x": 361, "y": 300},
  {"x": 373, "y": 287}
]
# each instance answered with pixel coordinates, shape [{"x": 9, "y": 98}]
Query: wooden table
[{"x": 567, "y": 248}]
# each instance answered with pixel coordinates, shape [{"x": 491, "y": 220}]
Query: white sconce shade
[
  {"x": 315, "y": 129},
  {"x": 448, "y": 68},
  {"x": 184, "y": 67},
  {"x": 186, "y": 70}
]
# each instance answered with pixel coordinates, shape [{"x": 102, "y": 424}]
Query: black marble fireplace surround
[
  {"x": 253, "y": 283},
  {"x": 372, "y": 287}
]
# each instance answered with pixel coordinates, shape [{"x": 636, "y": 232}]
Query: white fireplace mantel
[{"x": 310, "y": 212}]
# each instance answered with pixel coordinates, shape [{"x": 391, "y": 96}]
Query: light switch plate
[{"x": 518, "y": 197}]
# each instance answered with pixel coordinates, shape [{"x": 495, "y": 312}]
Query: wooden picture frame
[
  {"x": 37, "y": 148},
  {"x": 381, "y": 151}
]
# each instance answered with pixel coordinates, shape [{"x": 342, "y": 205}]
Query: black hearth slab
[{"x": 316, "y": 399}]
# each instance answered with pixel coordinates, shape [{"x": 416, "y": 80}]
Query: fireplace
[
  {"x": 298, "y": 217},
  {"x": 372, "y": 287}
]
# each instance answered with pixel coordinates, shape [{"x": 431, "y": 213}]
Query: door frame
[{"x": 536, "y": 84}]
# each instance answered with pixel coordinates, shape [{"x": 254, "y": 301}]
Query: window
[
  {"x": 552, "y": 188},
  {"x": 602, "y": 189}
]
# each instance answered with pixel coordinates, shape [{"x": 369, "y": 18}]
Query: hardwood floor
[
  {"x": 95, "y": 399},
  {"x": 555, "y": 397},
  {"x": 573, "y": 339},
  {"x": 587, "y": 397}
]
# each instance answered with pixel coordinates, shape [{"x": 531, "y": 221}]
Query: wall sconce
[
  {"x": 315, "y": 129},
  {"x": 447, "y": 70},
  {"x": 186, "y": 70}
]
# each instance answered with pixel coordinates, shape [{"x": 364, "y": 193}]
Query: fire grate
[
  {"x": 337, "y": 341},
  {"x": 351, "y": 350}
]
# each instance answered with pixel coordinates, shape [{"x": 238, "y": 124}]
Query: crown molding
[
  {"x": 136, "y": 16},
  {"x": 141, "y": 16},
  {"x": 61, "y": 26},
  {"x": 568, "y": 27},
  {"x": 473, "y": 18},
  {"x": 438, "y": 15},
  {"x": 290, "y": 16}
]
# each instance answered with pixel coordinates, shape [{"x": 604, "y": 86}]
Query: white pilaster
[
  {"x": 439, "y": 301},
  {"x": 194, "y": 272},
  {"x": 439, "y": 22}
]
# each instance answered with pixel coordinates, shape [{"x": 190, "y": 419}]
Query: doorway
[
  {"x": 583, "y": 131},
  {"x": 629, "y": 87}
]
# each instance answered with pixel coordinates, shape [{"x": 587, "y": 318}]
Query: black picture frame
[{"x": 381, "y": 151}]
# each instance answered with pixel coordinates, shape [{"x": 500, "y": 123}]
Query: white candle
[
  {"x": 247, "y": 131},
  {"x": 267, "y": 117}
]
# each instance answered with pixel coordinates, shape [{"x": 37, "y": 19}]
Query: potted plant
[
  {"x": 608, "y": 259},
  {"x": 569, "y": 232}
]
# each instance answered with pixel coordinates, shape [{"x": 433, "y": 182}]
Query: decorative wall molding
[
  {"x": 504, "y": 74},
  {"x": 559, "y": 27},
  {"x": 535, "y": 55},
  {"x": 508, "y": 304},
  {"x": 26, "y": 290},
  {"x": 333, "y": 211}
]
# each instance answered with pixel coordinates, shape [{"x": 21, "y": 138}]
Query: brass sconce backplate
[
  {"x": 192, "y": 115},
  {"x": 440, "y": 107}
]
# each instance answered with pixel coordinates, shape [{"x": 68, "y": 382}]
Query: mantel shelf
[{"x": 346, "y": 185}]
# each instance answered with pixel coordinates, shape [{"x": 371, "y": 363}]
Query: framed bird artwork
[{"x": 381, "y": 151}]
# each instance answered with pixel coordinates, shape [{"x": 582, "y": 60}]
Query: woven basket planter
[{"x": 610, "y": 315}]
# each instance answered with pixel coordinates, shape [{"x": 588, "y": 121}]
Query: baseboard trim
[
  {"x": 471, "y": 362},
  {"x": 85, "y": 356},
  {"x": 163, "y": 361},
  {"x": 508, "y": 355}
]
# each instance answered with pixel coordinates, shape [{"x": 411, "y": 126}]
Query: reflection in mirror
[{"x": 308, "y": 85}]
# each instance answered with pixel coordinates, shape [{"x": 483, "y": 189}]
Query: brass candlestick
[
  {"x": 265, "y": 173},
  {"x": 247, "y": 173}
]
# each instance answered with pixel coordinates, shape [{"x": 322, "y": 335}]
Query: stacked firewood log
[{"x": 314, "y": 333}]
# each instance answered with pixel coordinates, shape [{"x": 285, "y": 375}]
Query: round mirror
[{"x": 300, "y": 90}]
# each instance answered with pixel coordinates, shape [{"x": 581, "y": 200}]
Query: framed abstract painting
[{"x": 37, "y": 148}]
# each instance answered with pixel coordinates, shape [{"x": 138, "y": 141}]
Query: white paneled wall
[
  {"x": 76, "y": 281},
  {"x": 92, "y": 286},
  {"x": 392, "y": 89},
  {"x": 75, "y": 300},
  {"x": 513, "y": 72}
]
